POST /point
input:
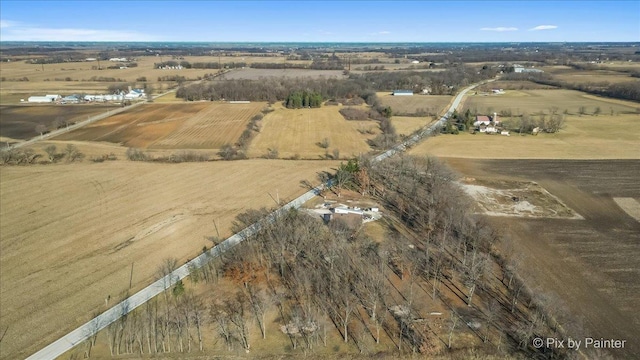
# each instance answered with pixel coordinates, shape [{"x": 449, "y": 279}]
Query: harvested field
[
  {"x": 71, "y": 234},
  {"x": 534, "y": 101},
  {"x": 586, "y": 137},
  {"x": 20, "y": 121},
  {"x": 255, "y": 74},
  {"x": 77, "y": 76},
  {"x": 611, "y": 77},
  {"x": 590, "y": 264},
  {"x": 201, "y": 125},
  {"x": 300, "y": 131},
  {"x": 428, "y": 104},
  {"x": 512, "y": 85},
  {"x": 406, "y": 125}
]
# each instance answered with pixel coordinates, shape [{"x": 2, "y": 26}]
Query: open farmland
[
  {"x": 70, "y": 234},
  {"x": 595, "y": 76},
  {"x": 590, "y": 264},
  {"x": 586, "y": 137},
  {"x": 299, "y": 132},
  {"x": 202, "y": 125},
  {"x": 428, "y": 104},
  {"x": 20, "y": 121},
  {"x": 605, "y": 136},
  {"x": 534, "y": 101}
]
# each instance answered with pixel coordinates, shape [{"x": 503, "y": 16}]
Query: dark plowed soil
[{"x": 593, "y": 264}]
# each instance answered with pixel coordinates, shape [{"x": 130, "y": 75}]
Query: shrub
[
  {"x": 137, "y": 155},
  {"x": 350, "y": 113}
]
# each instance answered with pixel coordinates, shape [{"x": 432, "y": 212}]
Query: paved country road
[{"x": 98, "y": 323}]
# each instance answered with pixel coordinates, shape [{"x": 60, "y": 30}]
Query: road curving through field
[{"x": 83, "y": 332}]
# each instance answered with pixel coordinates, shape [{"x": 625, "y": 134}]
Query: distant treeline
[
  {"x": 332, "y": 64},
  {"x": 626, "y": 91},
  {"x": 363, "y": 85}
]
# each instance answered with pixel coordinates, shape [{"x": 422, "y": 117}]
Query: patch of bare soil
[{"x": 517, "y": 198}]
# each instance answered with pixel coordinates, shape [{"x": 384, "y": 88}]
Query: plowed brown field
[
  {"x": 202, "y": 125},
  {"x": 591, "y": 264}
]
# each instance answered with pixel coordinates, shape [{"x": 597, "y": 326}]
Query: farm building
[
  {"x": 71, "y": 99},
  {"x": 486, "y": 120},
  {"x": 402, "y": 92},
  {"x": 488, "y": 129},
  {"x": 347, "y": 210},
  {"x": 522, "y": 69},
  {"x": 44, "y": 99}
]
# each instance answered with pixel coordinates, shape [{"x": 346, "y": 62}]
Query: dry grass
[
  {"x": 585, "y": 77},
  {"x": 201, "y": 125},
  {"x": 586, "y": 137},
  {"x": 80, "y": 73},
  {"x": 70, "y": 233},
  {"x": 433, "y": 104},
  {"x": 300, "y": 131},
  {"x": 406, "y": 125},
  {"x": 534, "y": 101}
]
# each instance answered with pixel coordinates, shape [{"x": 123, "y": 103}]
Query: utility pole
[{"x": 131, "y": 277}]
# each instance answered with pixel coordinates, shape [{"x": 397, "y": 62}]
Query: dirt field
[
  {"x": 432, "y": 104},
  {"x": 20, "y": 121},
  {"x": 591, "y": 263},
  {"x": 299, "y": 131},
  {"x": 533, "y": 101},
  {"x": 201, "y": 125},
  {"x": 70, "y": 233}
]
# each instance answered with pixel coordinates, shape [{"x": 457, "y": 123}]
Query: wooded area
[{"x": 329, "y": 278}]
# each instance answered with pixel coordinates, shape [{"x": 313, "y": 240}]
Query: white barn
[
  {"x": 402, "y": 92},
  {"x": 44, "y": 99}
]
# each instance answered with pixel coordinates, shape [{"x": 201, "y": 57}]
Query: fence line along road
[{"x": 124, "y": 307}]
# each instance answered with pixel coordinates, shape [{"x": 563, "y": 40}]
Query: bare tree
[
  {"x": 41, "y": 129},
  {"x": 237, "y": 310},
  {"x": 454, "y": 318},
  {"x": 474, "y": 271},
  {"x": 72, "y": 153},
  {"x": 260, "y": 302},
  {"x": 51, "y": 152},
  {"x": 221, "y": 318}
]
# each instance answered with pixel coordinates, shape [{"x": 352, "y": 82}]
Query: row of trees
[
  {"x": 28, "y": 156},
  {"x": 362, "y": 85},
  {"x": 303, "y": 99}
]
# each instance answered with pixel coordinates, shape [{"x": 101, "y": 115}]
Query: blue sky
[{"x": 329, "y": 21}]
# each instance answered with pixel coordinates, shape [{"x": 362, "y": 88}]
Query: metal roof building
[{"x": 402, "y": 92}]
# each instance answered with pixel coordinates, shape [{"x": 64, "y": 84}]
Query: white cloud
[
  {"x": 543, "y": 27},
  {"x": 7, "y": 23},
  {"x": 14, "y": 31},
  {"x": 500, "y": 29},
  {"x": 384, "y": 32}
]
